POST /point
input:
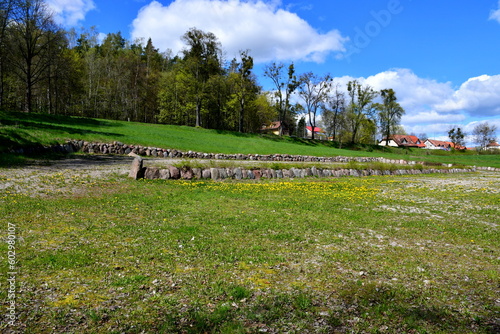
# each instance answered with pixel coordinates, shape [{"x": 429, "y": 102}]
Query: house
[
  {"x": 432, "y": 144},
  {"x": 318, "y": 132},
  {"x": 273, "y": 128},
  {"x": 492, "y": 146},
  {"x": 402, "y": 141}
]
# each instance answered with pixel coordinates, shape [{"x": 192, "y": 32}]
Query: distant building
[
  {"x": 274, "y": 128},
  {"x": 402, "y": 141},
  {"x": 493, "y": 146},
  {"x": 432, "y": 144},
  {"x": 318, "y": 133}
]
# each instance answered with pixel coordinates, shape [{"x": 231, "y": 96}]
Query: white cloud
[
  {"x": 412, "y": 91},
  {"x": 479, "y": 96},
  {"x": 495, "y": 14},
  {"x": 431, "y": 116},
  {"x": 268, "y": 31},
  {"x": 70, "y": 12},
  {"x": 433, "y": 107}
]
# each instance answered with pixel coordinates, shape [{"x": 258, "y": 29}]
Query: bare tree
[
  {"x": 483, "y": 134},
  {"x": 334, "y": 111},
  {"x": 284, "y": 88},
  {"x": 314, "y": 92}
]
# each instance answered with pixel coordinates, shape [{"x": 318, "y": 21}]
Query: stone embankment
[
  {"x": 138, "y": 171},
  {"x": 122, "y": 149}
]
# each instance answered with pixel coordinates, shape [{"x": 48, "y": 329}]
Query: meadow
[
  {"x": 21, "y": 129},
  {"x": 101, "y": 253}
]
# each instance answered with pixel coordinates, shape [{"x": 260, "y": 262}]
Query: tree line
[{"x": 44, "y": 68}]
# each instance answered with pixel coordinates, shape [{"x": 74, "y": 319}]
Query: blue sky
[{"x": 441, "y": 58}]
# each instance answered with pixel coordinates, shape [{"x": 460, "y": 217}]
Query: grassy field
[
  {"x": 18, "y": 129},
  {"x": 105, "y": 254}
]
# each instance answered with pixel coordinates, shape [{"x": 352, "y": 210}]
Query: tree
[
  {"x": 301, "y": 127},
  {"x": 483, "y": 134},
  {"x": 423, "y": 136},
  {"x": 32, "y": 35},
  {"x": 333, "y": 114},
  {"x": 457, "y": 137},
  {"x": 6, "y": 7},
  {"x": 390, "y": 112},
  {"x": 284, "y": 88},
  {"x": 314, "y": 92},
  {"x": 360, "y": 108},
  {"x": 244, "y": 85},
  {"x": 202, "y": 59}
]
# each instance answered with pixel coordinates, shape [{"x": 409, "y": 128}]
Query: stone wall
[
  {"x": 122, "y": 149},
  {"x": 137, "y": 171}
]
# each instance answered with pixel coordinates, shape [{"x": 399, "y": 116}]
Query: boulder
[
  {"x": 214, "y": 172},
  {"x": 164, "y": 174},
  {"x": 186, "y": 173},
  {"x": 174, "y": 172},
  {"x": 238, "y": 175},
  {"x": 152, "y": 173},
  {"x": 206, "y": 173},
  {"x": 197, "y": 173},
  {"x": 136, "y": 171}
]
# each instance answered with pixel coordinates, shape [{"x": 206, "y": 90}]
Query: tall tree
[
  {"x": 6, "y": 7},
  {"x": 284, "y": 86},
  {"x": 360, "y": 108},
  {"x": 457, "y": 137},
  {"x": 245, "y": 87},
  {"x": 301, "y": 127},
  {"x": 314, "y": 92},
  {"x": 389, "y": 113},
  {"x": 334, "y": 112},
  {"x": 202, "y": 59},
  {"x": 32, "y": 36},
  {"x": 483, "y": 134}
]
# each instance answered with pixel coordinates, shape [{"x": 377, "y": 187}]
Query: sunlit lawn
[
  {"x": 21, "y": 129},
  {"x": 388, "y": 254}
]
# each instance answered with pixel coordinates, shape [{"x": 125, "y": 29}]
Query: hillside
[{"x": 21, "y": 129}]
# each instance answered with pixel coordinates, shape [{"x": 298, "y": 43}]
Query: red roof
[
  {"x": 316, "y": 129},
  {"x": 440, "y": 143},
  {"x": 272, "y": 126},
  {"x": 407, "y": 141}
]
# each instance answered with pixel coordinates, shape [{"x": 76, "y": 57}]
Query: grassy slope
[{"x": 28, "y": 129}]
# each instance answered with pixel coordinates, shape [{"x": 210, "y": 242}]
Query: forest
[{"x": 46, "y": 69}]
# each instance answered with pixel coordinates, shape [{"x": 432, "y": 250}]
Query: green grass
[
  {"x": 378, "y": 254},
  {"x": 21, "y": 129}
]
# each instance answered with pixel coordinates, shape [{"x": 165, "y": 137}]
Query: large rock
[
  {"x": 136, "y": 170},
  {"x": 197, "y": 173},
  {"x": 152, "y": 173},
  {"x": 206, "y": 173},
  {"x": 164, "y": 174},
  {"x": 174, "y": 172},
  {"x": 187, "y": 173},
  {"x": 214, "y": 173},
  {"x": 238, "y": 175}
]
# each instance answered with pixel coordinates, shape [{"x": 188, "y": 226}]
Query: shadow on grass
[
  {"x": 18, "y": 117},
  {"x": 22, "y": 137},
  {"x": 413, "y": 311}
]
